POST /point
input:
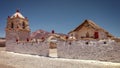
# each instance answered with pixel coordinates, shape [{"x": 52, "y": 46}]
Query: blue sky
[{"x": 63, "y": 15}]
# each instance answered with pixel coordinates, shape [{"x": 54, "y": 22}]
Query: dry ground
[
  {"x": 2, "y": 48},
  {"x": 3, "y": 65},
  {"x": 15, "y": 60}
]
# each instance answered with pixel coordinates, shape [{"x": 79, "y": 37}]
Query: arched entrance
[{"x": 52, "y": 46}]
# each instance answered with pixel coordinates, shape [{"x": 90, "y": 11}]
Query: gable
[{"x": 87, "y": 24}]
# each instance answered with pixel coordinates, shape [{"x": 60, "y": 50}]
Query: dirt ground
[
  {"x": 16, "y": 60},
  {"x": 2, "y": 65},
  {"x": 2, "y": 48},
  {"x": 5, "y": 66},
  {"x": 52, "y": 54}
]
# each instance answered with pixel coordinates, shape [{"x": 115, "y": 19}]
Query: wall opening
[
  {"x": 23, "y": 25},
  {"x": 12, "y": 25},
  {"x": 52, "y": 49}
]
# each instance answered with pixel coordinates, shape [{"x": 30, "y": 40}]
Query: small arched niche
[
  {"x": 23, "y": 25},
  {"x": 12, "y": 25}
]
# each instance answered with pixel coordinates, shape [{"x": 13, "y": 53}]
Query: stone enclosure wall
[
  {"x": 41, "y": 49},
  {"x": 89, "y": 50}
]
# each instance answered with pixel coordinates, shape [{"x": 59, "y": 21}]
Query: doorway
[{"x": 52, "y": 49}]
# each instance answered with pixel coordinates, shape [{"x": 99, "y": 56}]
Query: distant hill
[
  {"x": 42, "y": 33},
  {"x": 39, "y": 34}
]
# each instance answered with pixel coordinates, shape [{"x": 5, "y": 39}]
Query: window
[
  {"x": 104, "y": 42},
  {"x": 86, "y": 43},
  {"x": 12, "y": 25},
  {"x": 23, "y": 25}
]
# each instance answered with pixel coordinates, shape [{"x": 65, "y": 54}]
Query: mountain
[
  {"x": 39, "y": 34},
  {"x": 43, "y": 34}
]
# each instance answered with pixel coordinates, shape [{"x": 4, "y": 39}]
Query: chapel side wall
[
  {"x": 83, "y": 31},
  {"x": 94, "y": 51},
  {"x": 102, "y": 35}
]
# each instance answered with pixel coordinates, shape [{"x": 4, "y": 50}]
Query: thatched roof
[{"x": 93, "y": 25}]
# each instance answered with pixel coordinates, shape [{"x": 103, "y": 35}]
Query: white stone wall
[
  {"x": 95, "y": 50},
  {"x": 41, "y": 49},
  {"x": 10, "y": 45},
  {"x": 104, "y": 50}
]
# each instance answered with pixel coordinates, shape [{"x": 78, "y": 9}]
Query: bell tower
[{"x": 17, "y": 27}]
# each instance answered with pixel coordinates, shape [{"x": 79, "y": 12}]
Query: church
[
  {"x": 89, "y": 30},
  {"x": 18, "y": 29},
  {"x": 87, "y": 41}
]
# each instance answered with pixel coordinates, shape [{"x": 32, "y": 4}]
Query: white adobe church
[
  {"x": 89, "y": 42},
  {"x": 18, "y": 29}
]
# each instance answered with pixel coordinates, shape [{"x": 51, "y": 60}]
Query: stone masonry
[{"x": 89, "y": 50}]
